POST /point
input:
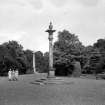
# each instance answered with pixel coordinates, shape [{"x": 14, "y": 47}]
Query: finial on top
[{"x": 50, "y": 26}]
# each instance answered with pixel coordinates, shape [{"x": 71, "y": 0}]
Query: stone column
[
  {"x": 34, "y": 68},
  {"x": 51, "y": 72}
]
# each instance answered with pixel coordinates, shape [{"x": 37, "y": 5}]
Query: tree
[
  {"x": 100, "y": 45},
  {"x": 15, "y": 49},
  {"x": 29, "y": 56},
  {"x": 3, "y": 53},
  {"x": 15, "y": 56},
  {"x": 95, "y": 57},
  {"x": 39, "y": 61},
  {"x": 66, "y": 48},
  {"x": 68, "y": 43},
  {"x": 46, "y": 62}
]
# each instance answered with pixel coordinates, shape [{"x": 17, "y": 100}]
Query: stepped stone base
[{"x": 55, "y": 80}]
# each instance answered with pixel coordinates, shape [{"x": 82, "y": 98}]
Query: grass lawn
[{"x": 79, "y": 92}]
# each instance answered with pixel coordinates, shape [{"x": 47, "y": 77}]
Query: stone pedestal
[{"x": 51, "y": 74}]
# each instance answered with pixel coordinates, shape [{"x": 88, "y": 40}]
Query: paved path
[{"x": 79, "y": 92}]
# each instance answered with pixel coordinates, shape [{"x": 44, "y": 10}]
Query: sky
[{"x": 27, "y": 20}]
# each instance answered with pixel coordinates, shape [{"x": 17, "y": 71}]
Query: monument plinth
[{"x": 51, "y": 71}]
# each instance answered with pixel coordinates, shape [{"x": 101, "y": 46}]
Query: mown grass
[{"x": 79, "y": 92}]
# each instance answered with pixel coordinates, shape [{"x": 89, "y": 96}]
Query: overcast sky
[{"x": 26, "y": 20}]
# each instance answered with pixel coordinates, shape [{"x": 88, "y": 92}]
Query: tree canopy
[{"x": 67, "y": 48}]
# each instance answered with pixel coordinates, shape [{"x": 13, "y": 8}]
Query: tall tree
[
  {"x": 39, "y": 61},
  {"x": 68, "y": 43},
  {"x": 46, "y": 62},
  {"x": 29, "y": 55},
  {"x": 15, "y": 57},
  {"x": 100, "y": 45},
  {"x": 66, "y": 48},
  {"x": 95, "y": 57}
]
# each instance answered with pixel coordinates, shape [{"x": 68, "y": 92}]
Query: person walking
[
  {"x": 10, "y": 75},
  {"x": 13, "y": 75},
  {"x": 16, "y": 74}
]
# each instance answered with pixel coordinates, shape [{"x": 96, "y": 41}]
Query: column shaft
[
  {"x": 51, "y": 72},
  {"x": 34, "y": 62}
]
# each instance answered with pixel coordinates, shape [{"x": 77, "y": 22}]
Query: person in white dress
[
  {"x": 13, "y": 75},
  {"x": 16, "y": 74},
  {"x": 10, "y": 75}
]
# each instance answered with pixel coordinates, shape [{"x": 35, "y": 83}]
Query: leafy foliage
[
  {"x": 95, "y": 57},
  {"x": 68, "y": 43},
  {"x": 66, "y": 48},
  {"x": 12, "y": 56}
]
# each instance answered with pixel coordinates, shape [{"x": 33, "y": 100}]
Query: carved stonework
[{"x": 51, "y": 72}]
